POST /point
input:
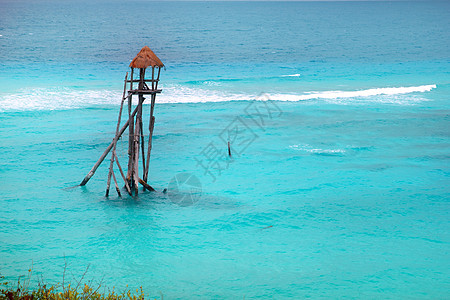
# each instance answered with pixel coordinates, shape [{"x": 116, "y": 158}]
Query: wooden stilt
[
  {"x": 146, "y": 185},
  {"x": 135, "y": 165},
  {"x": 142, "y": 145},
  {"x": 150, "y": 136},
  {"x": 157, "y": 78},
  {"x": 130, "y": 142},
  {"x": 136, "y": 145},
  {"x": 153, "y": 78},
  {"x": 117, "y": 186},
  {"x": 127, "y": 186},
  {"x": 130, "y": 130},
  {"x": 141, "y": 78},
  {"x": 111, "y": 164},
  {"x": 131, "y": 79},
  {"x": 141, "y": 129}
]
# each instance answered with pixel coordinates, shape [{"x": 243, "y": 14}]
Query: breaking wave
[
  {"x": 354, "y": 94},
  {"x": 291, "y": 75},
  {"x": 316, "y": 150},
  {"x": 67, "y": 98}
]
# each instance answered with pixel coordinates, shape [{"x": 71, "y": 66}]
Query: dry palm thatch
[{"x": 146, "y": 58}]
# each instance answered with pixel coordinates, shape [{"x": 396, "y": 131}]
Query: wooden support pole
[
  {"x": 149, "y": 149},
  {"x": 130, "y": 131},
  {"x": 111, "y": 164},
  {"x": 136, "y": 145},
  {"x": 131, "y": 79},
  {"x": 127, "y": 186},
  {"x": 157, "y": 79},
  {"x": 141, "y": 125},
  {"x": 150, "y": 136},
  {"x": 153, "y": 78},
  {"x": 117, "y": 186},
  {"x": 141, "y": 79},
  {"x": 102, "y": 157},
  {"x": 130, "y": 141},
  {"x": 146, "y": 185}
]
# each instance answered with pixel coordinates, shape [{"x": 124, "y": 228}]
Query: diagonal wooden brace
[{"x": 102, "y": 157}]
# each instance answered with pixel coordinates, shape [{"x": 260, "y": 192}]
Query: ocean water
[{"x": 338, "y": 113}]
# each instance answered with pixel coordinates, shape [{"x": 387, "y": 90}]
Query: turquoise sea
[{"x": 338, "y": 186}]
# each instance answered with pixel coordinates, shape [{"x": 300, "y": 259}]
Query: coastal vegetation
[{"x": 24, "y": 289}]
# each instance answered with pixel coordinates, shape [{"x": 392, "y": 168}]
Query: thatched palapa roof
[{"x": 146, "y": 58}]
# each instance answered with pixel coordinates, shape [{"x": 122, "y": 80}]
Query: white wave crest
[
  {"x": 67, "y": 98},
  {"x": 311, "y": 149},
  {"x": 353, "y": 94},
  {"x": 291, "y": 75},
  {"x": 180, "y": 94},
  {"x": 57, "y": 98}
]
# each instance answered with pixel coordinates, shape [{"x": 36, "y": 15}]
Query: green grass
[{"x": 21, "y": 290}]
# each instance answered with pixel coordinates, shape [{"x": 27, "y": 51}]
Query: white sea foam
[
  {"x": 180, "y": 94},
  {"x": 67, "y": 98},
  {"x": 353, "y": 94},
  {"x": 315, "y": 150},
  {"x": 291, "y": 75},
  {"x": 56, "y": 98},
  {"x": 211, "y": 83}
]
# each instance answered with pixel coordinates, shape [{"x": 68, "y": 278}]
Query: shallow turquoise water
[{"x": 342, "y": 193}]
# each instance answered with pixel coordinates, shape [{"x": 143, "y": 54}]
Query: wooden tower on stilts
[{"x": 142, "y": 88}]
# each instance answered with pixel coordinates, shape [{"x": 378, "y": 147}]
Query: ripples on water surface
[{"x": 343, "y": 194}]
